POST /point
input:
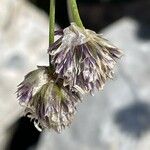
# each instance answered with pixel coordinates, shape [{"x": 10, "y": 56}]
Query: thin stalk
[
  {"x": 51, "y": 21},
  {"x": 70, "y": 15},
  {"x": 74, "y": 13},
  {"x": 51, "y": 24}
]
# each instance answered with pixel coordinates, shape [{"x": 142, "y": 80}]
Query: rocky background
[{"x": 117, "y": 118}]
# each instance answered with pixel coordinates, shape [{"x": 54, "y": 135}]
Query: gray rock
[
  {"x": 23, "y": 45},
  {"x": 117, "y": 118}
]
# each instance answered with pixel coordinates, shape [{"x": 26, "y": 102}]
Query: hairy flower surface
[
  {"x": 50, "y": 104},
  {"x": 83, "y": 59}
]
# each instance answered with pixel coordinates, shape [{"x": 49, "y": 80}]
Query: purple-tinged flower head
[
  {"x": 83, "y": 59},
  {"x": 50, "y": 104},
  {"x": 32, "y": 83}
]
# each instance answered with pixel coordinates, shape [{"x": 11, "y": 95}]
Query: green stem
[
  {"x": 69, "y": 11},
  {"x": 75, "y": 13},
  {"x": 51, "y": 21},
  {"x": 51, "y": 25}
]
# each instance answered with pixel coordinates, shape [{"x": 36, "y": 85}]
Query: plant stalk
[
  {"x": 74, "y": 13},
  {"x": 51, "y": 24}
]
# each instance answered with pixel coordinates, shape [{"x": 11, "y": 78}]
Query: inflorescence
[{"x": 81, "y": 61}]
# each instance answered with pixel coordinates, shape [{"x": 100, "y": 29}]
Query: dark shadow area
[
  {"x": 61, "y": 10},
  {"x": 144, "y": 31},
  {"x": 97, "y": 14},
  {"x": 134, "y": 119},
  {"x": 141, "y": 13},
  {"x": 25, "y": 135}
]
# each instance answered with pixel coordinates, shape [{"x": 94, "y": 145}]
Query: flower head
[
  {"x": 83, "y": 58},
  {"x": 47, "y": 102}
]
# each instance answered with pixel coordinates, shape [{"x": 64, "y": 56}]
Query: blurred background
[{"x": 117, "y": 118}]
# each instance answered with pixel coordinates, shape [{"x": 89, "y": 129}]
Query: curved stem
[{"x": 75, "y": 13}]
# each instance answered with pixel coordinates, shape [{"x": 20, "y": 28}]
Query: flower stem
[
  {"x": 74, "y": 13},
  {"x": 51, "y": 21},
  {"x": 69, "y": 11}
]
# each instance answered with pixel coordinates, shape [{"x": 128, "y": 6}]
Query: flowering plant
[{"x": 80, "y": 61}]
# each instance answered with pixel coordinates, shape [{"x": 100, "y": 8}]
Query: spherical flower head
[
  {"x": 51, "y": 105},
  {"x": 84, "y": 59}
]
